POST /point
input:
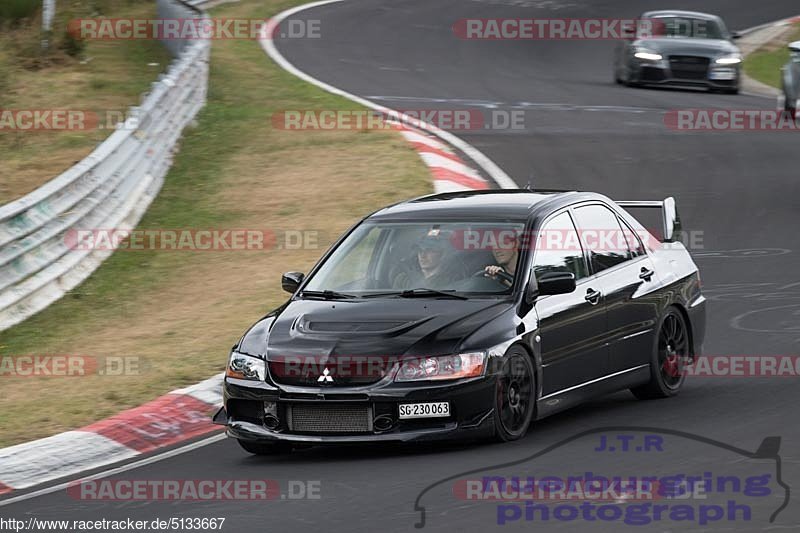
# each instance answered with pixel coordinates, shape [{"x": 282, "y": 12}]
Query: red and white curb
[
  {"x": 181, "y": 415},
  {"x": 449, "y": 172}
]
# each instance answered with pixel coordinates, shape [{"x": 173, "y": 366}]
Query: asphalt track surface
[{"x": 581, "y": 130}]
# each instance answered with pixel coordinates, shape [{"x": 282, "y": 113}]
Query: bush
[
  {"x": 73, "y": 46},
  {"x": 13, "y": 11}
]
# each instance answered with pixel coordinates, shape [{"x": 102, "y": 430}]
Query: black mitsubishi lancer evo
[{"x": 469, "y": 315}]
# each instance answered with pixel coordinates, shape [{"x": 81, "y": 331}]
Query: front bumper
[
  {"x": 660, "y": 73},
  {"x": 471, "y": 408}
]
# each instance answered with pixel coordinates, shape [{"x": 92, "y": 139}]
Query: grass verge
[
  {"x": 179, "y": 312},
  {"x": 96, "y": 76},
  {"x": 765, "y": 63}
]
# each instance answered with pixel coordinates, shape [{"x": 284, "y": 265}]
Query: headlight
[
  {"x": 467, "y": 365},
  {"x": 647, "y": 55},
  {"x": 246, "y": 367},
  {"x": 729, "y": 60}
]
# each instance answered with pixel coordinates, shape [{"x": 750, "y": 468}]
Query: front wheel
[
  {"x": 668, "y": 363},
  {"x": 790, "y": 106},
  {"x": 265, "y": 448},
  {"x": 515, "y": 396}
]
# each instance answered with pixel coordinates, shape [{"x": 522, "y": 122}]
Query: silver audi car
[
  {"x": 680, "y": 48},
  {"x": 791, "y": 80}
]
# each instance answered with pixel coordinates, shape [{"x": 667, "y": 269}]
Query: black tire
[
  {"x": 671, "y": 352},
  {"x": 790, "y": 109},
  {"x": 515, "y": 396},
  {"x": 265, "y": 448}
]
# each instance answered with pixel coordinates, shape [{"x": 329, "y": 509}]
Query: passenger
[{"x": 431, "y": 267}]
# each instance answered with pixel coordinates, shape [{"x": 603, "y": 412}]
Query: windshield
[
  {"x": 398, "y": 258},
  {"x": 681, "y": 28}
]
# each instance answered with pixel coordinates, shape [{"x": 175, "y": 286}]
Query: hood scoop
[{"x": 307, "y": 325}]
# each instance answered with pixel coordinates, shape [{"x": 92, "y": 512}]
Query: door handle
[
  {"x": 646, "y": 274},
  {"x": 593, "y": 296}
]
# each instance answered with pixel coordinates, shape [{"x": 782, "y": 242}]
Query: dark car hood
[
  {"x": 391, "y": 327},
  {"x": 700, "y": 47}
]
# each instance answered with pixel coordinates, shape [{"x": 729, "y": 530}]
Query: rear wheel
[
  {"x": 671, "y": 353},
  {"x": 515, "y": 396},
  {"x": 265, "y": 448}
]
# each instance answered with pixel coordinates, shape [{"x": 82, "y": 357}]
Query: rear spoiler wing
[{"x": 671, "y": 222}]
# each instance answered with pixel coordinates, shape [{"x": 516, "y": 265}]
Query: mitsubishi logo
[{"x": 325, "y": 377}]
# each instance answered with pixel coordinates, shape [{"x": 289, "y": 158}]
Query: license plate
[
  {"x": 424, "y": 410},
  {"x": 722, "y": 75}
]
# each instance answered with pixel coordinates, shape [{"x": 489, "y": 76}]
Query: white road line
[
  {"x": 495, "y": 172},
  {"x": 118, "y": 470}
]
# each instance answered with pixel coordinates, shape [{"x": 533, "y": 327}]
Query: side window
[
  {"x": 602, "y": 235},
  {"x": 558, "y": 248},
  {"x": 634, "y": 244}
]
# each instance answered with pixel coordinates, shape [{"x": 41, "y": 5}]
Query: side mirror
[
  {"x": 794, "y": 50},
  {"x": 290, "y": 281},
  {"x": 555, "y": 283},
  {"x": 736, "y": 35}
]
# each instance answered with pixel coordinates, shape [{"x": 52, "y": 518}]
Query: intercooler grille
[
  {"x": 689, "y": 67},
  {"x": 316, "y": 418}
]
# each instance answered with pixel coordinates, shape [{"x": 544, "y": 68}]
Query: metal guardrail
[{"x": 111, "y": 188}]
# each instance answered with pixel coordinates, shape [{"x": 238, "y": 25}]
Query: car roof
[
  {"x": 679, "y": 13},
  {"x": 516, "y": 204}
]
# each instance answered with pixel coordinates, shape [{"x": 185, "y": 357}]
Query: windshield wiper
[
  {"x": 418, "y": 293},
  {"x": 328, "y": 295}
]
